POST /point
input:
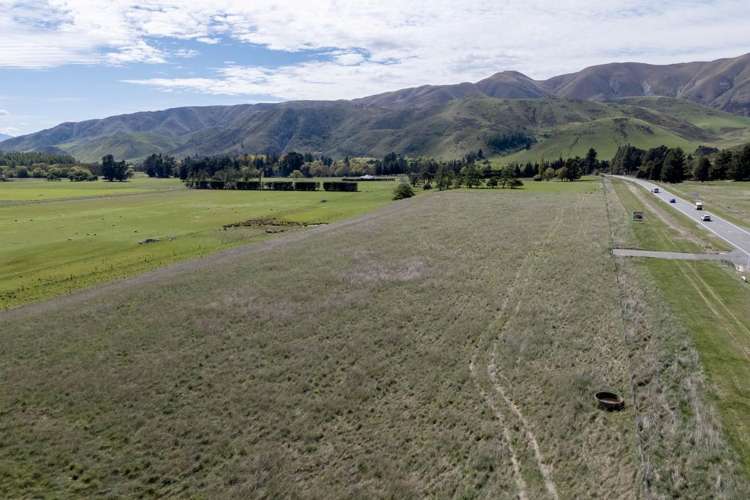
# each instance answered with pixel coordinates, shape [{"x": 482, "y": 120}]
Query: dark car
[{"x": 672, "y": 200}]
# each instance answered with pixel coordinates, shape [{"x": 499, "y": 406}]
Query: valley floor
[
  {"x": 59, "y": 237},
  {"x": 448, "y": 345}
]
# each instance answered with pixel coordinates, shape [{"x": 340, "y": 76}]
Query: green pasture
[
  {"x": 59, "y": 246},
  {"x": 30, "y": 190}
]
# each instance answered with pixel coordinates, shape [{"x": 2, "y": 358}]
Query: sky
[{"x": 72, "y": 60}]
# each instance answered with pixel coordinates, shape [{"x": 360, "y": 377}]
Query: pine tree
[
  {"x": 702, "y": 169},
  {"x": 674, "y": 166}
]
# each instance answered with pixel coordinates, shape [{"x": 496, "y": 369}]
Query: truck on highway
[{"x": 699, "y": 205}]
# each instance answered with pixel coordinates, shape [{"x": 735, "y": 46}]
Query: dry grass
[{"x": 340, "y": 365}]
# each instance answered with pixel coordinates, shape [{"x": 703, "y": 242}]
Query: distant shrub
[
  {"x": 492, "y": 182},
  {"x": 55, "y": 174},
  {"x": 80, "y": 174},
  {"x": 403, "y": 191},
  {"x": 427, "y": 186},
  {"x": 537, "y": 178}
]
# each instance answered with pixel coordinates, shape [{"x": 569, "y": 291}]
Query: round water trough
[{"x": 609, "y": 401}]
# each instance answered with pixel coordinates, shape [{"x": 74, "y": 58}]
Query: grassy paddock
[
  {"x": 60, "y": 246},
  {"x": 712, "y": 303},
  {"x": 419, "y": 353},
  {"x": 34, "y": 190}
]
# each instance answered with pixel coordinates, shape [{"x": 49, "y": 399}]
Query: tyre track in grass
[
  {"x": 500, "y": 381},
  {"x": 497, "y": 375},
  {"x": 517, "y": 475},
  {"x": 491, "y": 340}
]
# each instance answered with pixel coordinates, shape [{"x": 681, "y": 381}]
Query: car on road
[
  {"x": 706, "y": 218},
  {"x": 655, "y": 191},
  {"x": 672, "y": 200}
]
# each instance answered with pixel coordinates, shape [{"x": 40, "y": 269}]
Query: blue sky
[{"x": 71, "y": 60}]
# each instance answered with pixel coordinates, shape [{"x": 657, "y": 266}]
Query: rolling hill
[{"x": 602, "y": 106}]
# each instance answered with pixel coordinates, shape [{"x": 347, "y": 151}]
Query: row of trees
[
  {"x": 18, "y": 159},
  {"x": 472, "y": 170},
  {"x": 673, "y": 165},
  {"x": 231, "y": 168},
  {"x": 53, "y": 172}
]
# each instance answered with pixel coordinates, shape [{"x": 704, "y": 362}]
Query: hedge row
[{"x": 274, "y": 185}]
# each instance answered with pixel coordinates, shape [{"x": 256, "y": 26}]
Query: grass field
[
  {"x": 29, "y": 190},
  {"x": 443, "y": 346},
  {"x": 730, "y": 200},
  {"x": 92, "y": 234},
  {"x": 712, "y": 303},
  {"x": 86, "y": 234}
]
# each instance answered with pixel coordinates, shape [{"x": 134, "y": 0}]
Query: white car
[{"x": 706, "y": 218}]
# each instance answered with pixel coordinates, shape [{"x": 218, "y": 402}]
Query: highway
[{"x": 736, "y": 236}]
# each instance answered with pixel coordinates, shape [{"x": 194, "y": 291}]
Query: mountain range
[
  {"x": 4, "y": 136},
  {"x": 602, "y": 106}
]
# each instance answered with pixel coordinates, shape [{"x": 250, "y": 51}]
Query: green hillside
[
  {"x": 643, "y": 122},
  {"x": 604, "y": 135},
  {"x": 446, "y": 129}
]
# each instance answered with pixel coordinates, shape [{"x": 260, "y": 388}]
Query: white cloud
[
  {"x": 349, "y": 58},
  {"x": 4, "y": 112},
  {"x": 372, "y": 46},
  {"x": 185, "y": 53},
  {"x": 208, "y": 40},
  {"x": 137, "y": 52}
]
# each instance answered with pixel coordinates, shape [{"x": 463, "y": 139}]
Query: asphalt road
[{"x": 731, "y": 233}]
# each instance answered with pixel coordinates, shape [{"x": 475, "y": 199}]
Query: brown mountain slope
[{"x": 722, "y": 84}]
